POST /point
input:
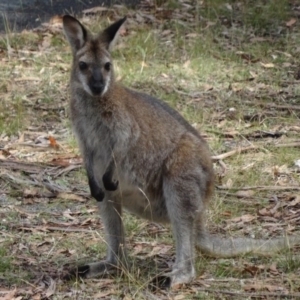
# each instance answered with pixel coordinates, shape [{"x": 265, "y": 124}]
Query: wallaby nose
[
  {"x": 96, "y": 83},
  {"x": 97, "y": 87}
]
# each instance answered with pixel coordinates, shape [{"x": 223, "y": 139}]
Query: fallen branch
[
  {"x": 67, "y": 170},
  {"x": 31, "y": 168},
  {"x": 287, "y": 107},
  {"x": 233, "y": 152},
  {"x": 260, "y": 188},
  {"x": 245, "y": 149},
  {"x": 35, "y": 168},
  {"x": 223, "y": 166},
  {"x": 251, "y": 295},
  {"x": 54, "y": 228},
  {"x": 294, "y": 144}
]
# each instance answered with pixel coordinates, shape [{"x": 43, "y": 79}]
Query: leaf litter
[{"x": 47, "y": 218}]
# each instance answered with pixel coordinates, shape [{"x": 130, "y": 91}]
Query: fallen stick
[
  {"x": 233, "y": 152},
  {"x": 251, "y": 295},
  {"x": 245, "y": 149},
  {"x": 260, "y": 188},
  {"x": 288, "y": 107}
]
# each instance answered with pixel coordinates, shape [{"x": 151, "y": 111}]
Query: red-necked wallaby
[{"x": 141, "y": 155}]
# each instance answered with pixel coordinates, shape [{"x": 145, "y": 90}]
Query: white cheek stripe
[
  {"x": 84, "y": 84},
  {"x": 107, "y": 83}
]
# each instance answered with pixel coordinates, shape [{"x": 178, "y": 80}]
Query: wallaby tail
[{"x": 229, "y": 247}]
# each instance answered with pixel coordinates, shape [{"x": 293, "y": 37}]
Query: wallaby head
[{"x": 92, "y": 64}]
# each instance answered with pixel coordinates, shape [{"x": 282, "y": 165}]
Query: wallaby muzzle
[{"x": 96, "y": 82}]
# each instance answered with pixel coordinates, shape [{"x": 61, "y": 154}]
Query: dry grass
[{"x": 229, "y": 69}]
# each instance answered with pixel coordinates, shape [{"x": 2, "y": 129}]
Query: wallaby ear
[
  {"x": 75, "y": 33},
  {"x": 108, "y": 36}
]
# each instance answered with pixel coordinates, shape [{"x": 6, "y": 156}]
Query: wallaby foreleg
[
  {"x": 95, "y": 188},
  {"x": 110, "y": 211}
]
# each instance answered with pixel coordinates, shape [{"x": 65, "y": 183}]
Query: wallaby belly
[{"x": 137, "y": 202}]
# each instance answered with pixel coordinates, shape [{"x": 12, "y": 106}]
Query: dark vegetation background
[{"x": 26, "y": 14}]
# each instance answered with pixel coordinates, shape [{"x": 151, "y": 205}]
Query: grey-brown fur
[{"x": 140, "y": 155}]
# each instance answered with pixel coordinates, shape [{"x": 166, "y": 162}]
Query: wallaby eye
[
  {"x": 107, "y": 66},
  {"x": 82, "y": 65}
]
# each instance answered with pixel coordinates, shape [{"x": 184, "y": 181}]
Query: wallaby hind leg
[
  {"x": 181, "y": 197},
  {"x": 110, "y": 211}
]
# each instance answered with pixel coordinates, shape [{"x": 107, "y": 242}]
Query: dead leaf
[
  {"x": 27, "y": 79},
  {"x": 143, "y": 64},
  {"x": 245, "y": 194},
  {"x": 261, "y": 286},
  {"x": 273, "y": 269},
  {"x": 37, "y": 296},
  {"x": 161, "y": 249},
  {"x": 71, "y": 196},
  {"x": 10, "y": 295},
  {"x": 186, "y": 64},
  {"x": 291, "y": 22},
  {"x": 138, "y": 249},
  {"x": 122, "y": 31},
  {"x": 56, "y": 20},
  {"x": 245, "y": 219},
  {"x": 46, "y": 43},
  {"x": 30, "y": 192},
  {"x": 51, "y": 287},
  {"x": 67, "y": 214},
  {"x": 208, "y": 87},
  {"x": 247, "y": 56},
  {"x": 96, "y": 9},
  {"x": 236, "y": 87},
  {"x": 253, "y": 74},
  {"x": 258, "y": 39},
  {"x": 268, "y": 65},
  {"x": 53, "y": 142},
  {"x": 166, "y": 32},
  {"x": 265, "y": 212},
  {"x": 66, "y": 160},
  {"x": 229, "y": 183},
  {"x": 192, "y": 35},
  {"x": 180, "y": 297},
  {"x": 178, "y": 286},
  {"x": 253, "y": 270},
  {"x": 226, "y": 213},
  {"x": 295, "y": 201},
  {"x": 104, "y": 294}
]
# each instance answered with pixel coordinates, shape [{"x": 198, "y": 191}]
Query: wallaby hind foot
[
  {"x": 98, "y": 269},
  {"x": 171, "y": 279}
]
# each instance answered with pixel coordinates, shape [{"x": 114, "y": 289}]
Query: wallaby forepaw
[{"x": 110, "y": 185}]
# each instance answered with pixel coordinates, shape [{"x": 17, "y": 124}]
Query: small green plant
[
  {"x": 289, "y": 261},
  {"x": 5, "y": 260}
]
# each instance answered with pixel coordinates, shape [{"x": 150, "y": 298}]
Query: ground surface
[{"x": 232, "y": 69}]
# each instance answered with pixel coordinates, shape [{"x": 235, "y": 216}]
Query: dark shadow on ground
[{"x": 16, "y": 15}]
